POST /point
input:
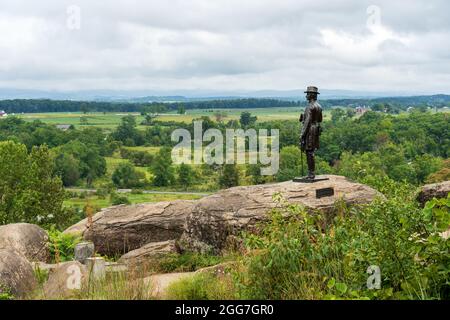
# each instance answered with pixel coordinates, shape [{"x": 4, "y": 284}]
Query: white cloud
[
  {"x": 225, "y": 45},
  {"x": 365, "y": 50}
]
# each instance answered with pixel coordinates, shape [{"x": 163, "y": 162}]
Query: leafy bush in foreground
[
  {"x": 62, "y": 246},
  {"x": 293, "y": 258}
]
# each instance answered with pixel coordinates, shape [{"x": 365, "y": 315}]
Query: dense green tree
[
  {"x": 181, "y": 109},
  {"x": 92, "y": 136},
  {"x": 290, "y": 163},
  {"x": 185, "y": 175},
  {"x": 162, "y": 169},
  {"x": 394, "y": 163},
  {"x": 254, "y": 170},
  {"x": 126, "y": 176},
  {"x": 67, "y": 167},
  {"x": 92, "y": 164},
  {"x": 155, "y": 108},
  {"x": 337, "y": 114},
  {"x": 247, "y": 119},
  {"x": 360, "y": 167},
  {"x": 48, "y": 135},
  {"x": 424, "y": 166},
  {"x": 229, "y": 176},
  {"x": 139, "y": 158},
  {"x": 148, "y": 119},
  {"x": 127, "y": 132},
  {"x": 378, "y": 107},
  {"x": 30, "y": 191},
  {"x": 350, "y": 112}
]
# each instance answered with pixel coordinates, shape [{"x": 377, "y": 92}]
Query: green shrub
[
  {"x": 101, "y": 193},
  {"x": 117, "y": 199},
  {"x": 83, "y": 195},
  {"x": 62, "y": 245},
  {"x": 294, "y": 258},
  {"x": 126, "y": 176}
]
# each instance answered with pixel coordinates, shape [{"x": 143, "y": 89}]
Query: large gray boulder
[
  {"x": 149, "y": 252},
  {"x": 16, "y": 274},
  {"x": 28, "y": 239},
  {"x": 65, "y": 280},
  {"x": 217, "y": 219},
  {"x": 211, "y": 222},
  {"x": 119, "y": 229},
  {"x": 434, "y": 190}
]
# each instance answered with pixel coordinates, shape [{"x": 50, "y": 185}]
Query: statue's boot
[{"x": 311, "y": 164}]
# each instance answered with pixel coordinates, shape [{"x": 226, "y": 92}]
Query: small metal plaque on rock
[{"x": 324, "y": 192}]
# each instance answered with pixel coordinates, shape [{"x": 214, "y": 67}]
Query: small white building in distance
[
  {"x": 360, "y": 110},
  {"x": 3, "y": 114}
]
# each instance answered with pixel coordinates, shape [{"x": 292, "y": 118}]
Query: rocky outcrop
[
  {"x": 209, "y": 223},
  {"x": 27, "y": 239},
  {"x": 120, "y": 229},
  {"x": 65, "y": 280},
  {"x": 220, "y": 217},
  {"x": 16, "y": 274},
  {"x": 434, "y": 190},
  {"x": 149, "y": 252}
]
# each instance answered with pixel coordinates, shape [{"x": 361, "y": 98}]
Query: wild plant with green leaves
[
  {"x": 295, "y": 257},
  {"x": 62, "y": 246}
]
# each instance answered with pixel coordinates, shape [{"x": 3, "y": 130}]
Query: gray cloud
[{"x": 225, "y": 45}]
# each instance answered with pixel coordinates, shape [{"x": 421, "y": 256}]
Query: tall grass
[
  {"x": 202, "y": 286},
  {"x": 117, "y": 286}
]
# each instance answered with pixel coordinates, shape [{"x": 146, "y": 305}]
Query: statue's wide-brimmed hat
[{"x": 312, "y": 89}]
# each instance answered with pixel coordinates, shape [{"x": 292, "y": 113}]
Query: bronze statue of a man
[{"x": 309, "y": 136}]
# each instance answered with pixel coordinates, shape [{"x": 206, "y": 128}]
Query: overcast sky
[{"x": 225, "y": 45}]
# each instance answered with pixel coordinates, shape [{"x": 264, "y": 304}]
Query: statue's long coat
[{"x": 311, "y": 119}]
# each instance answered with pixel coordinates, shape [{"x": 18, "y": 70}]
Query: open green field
[
  {"x": 97, "y": 202},
  {"x": 110, "y": 120},
  {"x": 151, "y": 150},
  {"x": 112, "y": 163},
  {"x": 98, "y": 119},
  {"x": 263, "y": 114}
]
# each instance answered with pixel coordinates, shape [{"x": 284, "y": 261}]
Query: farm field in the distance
[
  {"x": 98, "y": 202},
  {"x": 110, "y": 120}
]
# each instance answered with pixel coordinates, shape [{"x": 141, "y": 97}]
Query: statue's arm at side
[{"x": 306, "y": 123}]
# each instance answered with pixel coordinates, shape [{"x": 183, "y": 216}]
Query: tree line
[
  {"x": 390, "y": 105},
  {"x": 47, "y": 105}
]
